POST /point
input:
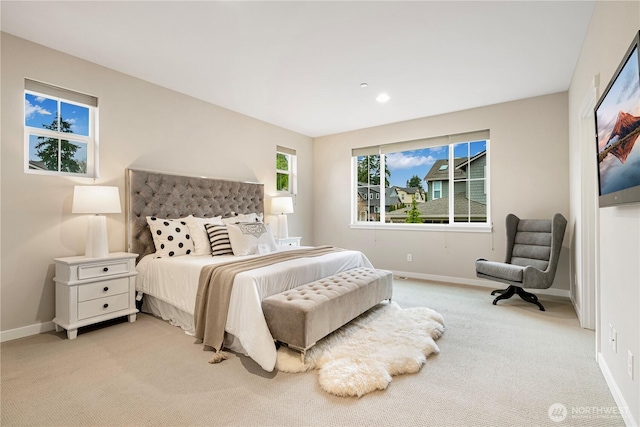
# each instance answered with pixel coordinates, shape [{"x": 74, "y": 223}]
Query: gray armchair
[{"x": 533, "y": 250}]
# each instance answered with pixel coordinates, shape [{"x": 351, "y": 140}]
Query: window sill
[{"x": 465, "y": 228}]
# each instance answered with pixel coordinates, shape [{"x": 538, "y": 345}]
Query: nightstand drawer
[
  {"x": 100, "y": 306},
  {"x": 288, "y": 241},
  {"x": 103, "y": 289},
  {"x": 102, "y": 269}
]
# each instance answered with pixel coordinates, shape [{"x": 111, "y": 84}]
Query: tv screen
[{"x": 617, "y": 116}]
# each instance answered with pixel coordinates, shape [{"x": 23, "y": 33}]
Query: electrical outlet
[
  {"x": 630, "y": 364},
  {"x": 409, "y": 257}
]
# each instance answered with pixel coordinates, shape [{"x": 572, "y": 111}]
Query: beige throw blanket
[{"x": 214, "y": 291}]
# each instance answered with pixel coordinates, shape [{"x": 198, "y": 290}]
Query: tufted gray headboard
[{"x": 174, "y": 196}]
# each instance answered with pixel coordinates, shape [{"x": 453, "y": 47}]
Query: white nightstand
[
  {"x": 289, "y": 241},
  {"x": 92, "y": 290}
]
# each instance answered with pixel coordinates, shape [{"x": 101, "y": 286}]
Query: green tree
[
  {"x": 413, "y": 215},
  {"x": 369, "y": 171},
  {"x": 282, "y": 179},
  {"x": 414, "y": 182},
  {"x": 47, "y": 149}
]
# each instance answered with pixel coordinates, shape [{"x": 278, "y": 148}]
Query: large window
[
  {"x": 285, "y": 170},
  {"x": 446, "y": 179},
  {"x": 60, "y": 136}
]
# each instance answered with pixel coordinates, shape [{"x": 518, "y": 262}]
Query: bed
[{"x": 168, "y": 285}]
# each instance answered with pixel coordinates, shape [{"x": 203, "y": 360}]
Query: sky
[
  {"x": 40, "y": 110},
  {"x": 404, "y": 165}
]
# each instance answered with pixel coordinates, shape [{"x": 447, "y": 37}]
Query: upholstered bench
[{"x": 301, "y": 316}]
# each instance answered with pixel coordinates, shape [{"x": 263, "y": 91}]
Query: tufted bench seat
[{"x": 301, "y": 316}]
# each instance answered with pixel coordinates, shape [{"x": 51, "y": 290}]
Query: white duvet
[{"x": 175, "y": 281}]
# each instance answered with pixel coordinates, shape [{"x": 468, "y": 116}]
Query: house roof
[
  {"x": 389, "y": 192},
  {"x": 435, "y": 208},
  {"x": 409, "y": 190},
  {"x": 472, "y": 159},
  {"x": 437, "y": 174},
  {"x": 35, "y": 164}
]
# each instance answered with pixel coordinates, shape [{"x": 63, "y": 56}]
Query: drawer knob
[
  {"x": 105, "y": 269},
  {"x": 106, "y": 288},
  {"x": 105, "y": 306}
]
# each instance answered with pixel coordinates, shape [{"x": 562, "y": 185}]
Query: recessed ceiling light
[
  {"x": 383, "y": 97},
  {"x": 364, "y": 84}
]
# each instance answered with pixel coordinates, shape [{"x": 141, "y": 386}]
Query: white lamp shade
[
  {"x": 281, "y": 205},
  {"x": 95, "y": 199}
]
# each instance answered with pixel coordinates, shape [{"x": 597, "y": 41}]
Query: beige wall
[
  {"x": 529, "y": 177},
  {"x": 616, "y": 229},
  {"x": 141, "y": 126}
]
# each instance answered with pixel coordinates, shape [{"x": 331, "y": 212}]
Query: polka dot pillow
[{"x": 170, "y": 236}]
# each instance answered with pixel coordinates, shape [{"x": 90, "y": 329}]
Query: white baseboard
[
  {"x": 25, "y": 331},
  {"x": 627, "y": 416},
  {"x": 561, "y": 293}
]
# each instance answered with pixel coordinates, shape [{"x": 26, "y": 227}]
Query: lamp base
[
  {"x": 97, "y": 243},
  {"x": 283, "y": 228}
]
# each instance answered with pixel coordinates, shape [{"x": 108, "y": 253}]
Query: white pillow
[
  {"x": 250, "y": 217},
  {"x": 171, "y": 237},
  {"x": 248, "y": 238},
  {"x": 199, "y": 234}
]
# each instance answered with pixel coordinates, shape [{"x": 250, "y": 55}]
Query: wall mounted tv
[{"x": 617, "y": 116}]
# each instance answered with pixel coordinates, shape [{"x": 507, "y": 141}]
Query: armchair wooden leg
[
  {"x": 504, "y": 294},
  {"x": 529, "y": 297},
  {"x": 513, "y": 290}
]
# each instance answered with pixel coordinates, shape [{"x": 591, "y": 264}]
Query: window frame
[
  {"x": 356, "y": 223},
  {"x": 91, "y": 140}
]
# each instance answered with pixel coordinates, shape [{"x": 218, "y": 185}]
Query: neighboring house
[
  {"x": 437, "y": 178},
  {"x": 470, "y": 196},
  {"x": 392, "y": 200},
  {"x": 34, "y": 164},
  {"x": 406, "y": 195},
  {"x": 476, "y": 169},
  {"x": 369, "y": 201}
]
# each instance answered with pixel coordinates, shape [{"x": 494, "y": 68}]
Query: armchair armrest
[{"x": 537, "y": 279}]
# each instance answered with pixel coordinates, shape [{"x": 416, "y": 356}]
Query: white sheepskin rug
[{"x": 363, "y": 355}]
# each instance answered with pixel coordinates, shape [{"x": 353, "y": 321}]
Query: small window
[
  {"x": 285, "y": 170},
  {"x": 60, "y": 135},
  {"x": 443, "y": 167},
  {"x": 437, "y": 190}
]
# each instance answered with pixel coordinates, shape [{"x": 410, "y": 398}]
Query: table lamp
[
  {"x": 97, "y": 200},
  {"x": 282, "y": 206}
]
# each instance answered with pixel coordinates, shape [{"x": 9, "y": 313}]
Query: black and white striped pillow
[{"x": 219, "y": 239}]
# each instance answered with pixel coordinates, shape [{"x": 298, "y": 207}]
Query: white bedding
[{"x": 175, "y": 281}]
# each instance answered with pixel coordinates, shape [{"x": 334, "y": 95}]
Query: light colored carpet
[
  {"x": 499, "y": 365},
  {"x": 363, "y": 355}
]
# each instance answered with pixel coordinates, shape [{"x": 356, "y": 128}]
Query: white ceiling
[{"x": 299, "y": 65}]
